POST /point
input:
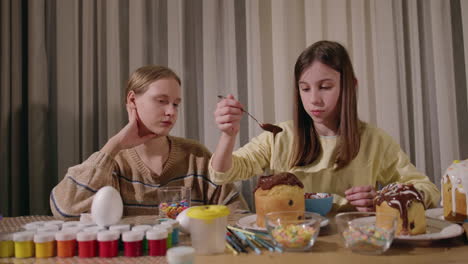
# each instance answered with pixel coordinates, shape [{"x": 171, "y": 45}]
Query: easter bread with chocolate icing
[
  {"x": 454, "y": 191},
  {"x": 278, "y": 192},
  {"x": 406, "y": 203}
]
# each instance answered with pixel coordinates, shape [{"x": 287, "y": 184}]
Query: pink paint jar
[
  {"x": 133, "y": 243},
  {"x": 87, "y": 244},
  {"x": 66, "y": 244},
  {"x": 108, "y": 243},
  {"x": 157, "y": 245}
]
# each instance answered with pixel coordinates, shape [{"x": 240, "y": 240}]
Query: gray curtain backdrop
[{"x": 64, "y": 64}]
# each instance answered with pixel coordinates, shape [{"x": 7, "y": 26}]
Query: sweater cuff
[{"x": 220, "y": 177}]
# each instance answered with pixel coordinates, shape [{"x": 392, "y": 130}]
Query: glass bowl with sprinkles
[
  {"x": 293, "y": 230},
  {"x": 367, "y": 233}
]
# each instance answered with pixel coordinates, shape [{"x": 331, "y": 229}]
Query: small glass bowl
[
  {"x": 293, "y": 230},
  {"x": 367, "y": 233},
  {"x": 173, "y": 200}
]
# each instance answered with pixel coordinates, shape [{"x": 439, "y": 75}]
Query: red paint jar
[
  {"x": 133, "y": 246},
  {"x": 157, "y": 244},
  {"x": 87, "y": 244},
  {"x": 108, "y": 244}
]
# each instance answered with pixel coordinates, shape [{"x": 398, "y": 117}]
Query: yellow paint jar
[
  {"x": 44, "y": 244},
  {"x": 24, "y": 245},
  {"x": 7, "y": 248}
]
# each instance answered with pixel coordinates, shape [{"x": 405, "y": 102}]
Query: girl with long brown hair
[{"x": 326, "y": 145}]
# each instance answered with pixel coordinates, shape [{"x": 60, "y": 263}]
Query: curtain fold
[
  {"x": 14, "y": 167},
  {"x": 64, "y": 65}
]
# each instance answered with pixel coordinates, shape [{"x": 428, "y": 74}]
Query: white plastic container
[
  {"x": 208, "y": 228},
  {"x": 180, "y": 255}
]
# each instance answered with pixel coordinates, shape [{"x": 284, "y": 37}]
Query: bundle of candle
[{"x": 240, "y": 240}]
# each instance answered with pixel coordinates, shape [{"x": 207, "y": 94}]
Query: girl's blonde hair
[
  {"x": 306, "y": 147},
  {"x": 141, "y": 79}
]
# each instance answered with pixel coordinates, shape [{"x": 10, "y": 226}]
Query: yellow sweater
[{"x": 380, "y": 161}]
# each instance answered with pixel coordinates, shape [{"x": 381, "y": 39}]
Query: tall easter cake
[
  {"x": 278, "y": 192},
  {"x": 405, "y": 202},
  {"x": 454, "y": 191}
]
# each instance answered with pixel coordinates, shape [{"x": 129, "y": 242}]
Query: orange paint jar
[{"x": 66, "y": 244}]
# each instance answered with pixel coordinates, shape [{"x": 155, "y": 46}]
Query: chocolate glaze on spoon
[{"x": 265, "y": 126}]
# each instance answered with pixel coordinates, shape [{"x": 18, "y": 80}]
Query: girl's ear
[
  {"x": 131, "y": 99},
  {"x": 355, "y": 82}
]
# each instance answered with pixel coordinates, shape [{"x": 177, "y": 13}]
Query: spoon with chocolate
[{"x": 265, "y": 126}]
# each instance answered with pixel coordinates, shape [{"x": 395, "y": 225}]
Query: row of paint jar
[{"x": 156, "y": 240}]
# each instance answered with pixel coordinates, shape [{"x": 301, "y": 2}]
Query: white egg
[
  {"x": 184, "y": 221},
  {"x": 107, "y": 207}
]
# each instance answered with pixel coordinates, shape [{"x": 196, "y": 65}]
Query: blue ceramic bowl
[{"x": 321, "y": 206}]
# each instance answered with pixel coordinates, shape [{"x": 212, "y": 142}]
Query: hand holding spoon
[{"x": 265, "y": 126}]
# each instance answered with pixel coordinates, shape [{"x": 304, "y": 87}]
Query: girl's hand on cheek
[
  {"x": 134, "y": 133},
  {"x": 362, "y": 197}
]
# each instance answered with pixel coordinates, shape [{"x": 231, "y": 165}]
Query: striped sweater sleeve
[{"x": 74, "y": 194}]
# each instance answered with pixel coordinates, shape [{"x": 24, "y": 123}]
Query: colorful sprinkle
[
  {"x": 316, "y": 195},
  {"x": 293, "y": 236},
  {"x": 367, "y": 237},
  {"x": 173, "y": 209}
]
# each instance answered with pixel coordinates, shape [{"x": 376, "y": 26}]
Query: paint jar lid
[
  {"x": 120, "y": 228},
  {"x": 132, "y": 236},
  {"x": 70, "y": 224},
  {"x": 94, "y": 229},
  {"x": 179, "y": 255},
  {"x": 86, "y": 224},
  {"x": 48, "y": 228},
  {"x": 86, "y": 217},
  {"x": 33, "y": 225},
  {"x": 168, "y": 226},
  {"x": 108, "y": 235},
  {"x": 23, "y": 236},
  {"x": 173, "y": 222},
  {"x": 142, "y": 228},
  {"x": 58, "y": 223},
  {"x": 6, "y": 236},
  {"x": 44, "y": 237},
  {"x": 70, "y": 229},
  {"x": 65, "y": 235},
  {"x": 86, "y": 236},
  {"x": 156, "y": 234},
  {"x": 208, "y": 212}
]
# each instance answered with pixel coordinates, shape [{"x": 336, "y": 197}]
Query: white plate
[
  {"x": 438, "y": 213},
  {"x": 250, "y": 222},
  {"x": 435, "y": 229}
]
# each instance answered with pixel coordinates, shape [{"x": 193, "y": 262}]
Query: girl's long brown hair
[{"x": 306, "y": 147}]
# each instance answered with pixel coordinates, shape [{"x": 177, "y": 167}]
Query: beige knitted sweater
[{"x": 187, "y": 165}]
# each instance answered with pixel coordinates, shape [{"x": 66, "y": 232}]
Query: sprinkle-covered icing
[
  {"x": 458, "y": 174},
  {"x": 399, "y": 196}
]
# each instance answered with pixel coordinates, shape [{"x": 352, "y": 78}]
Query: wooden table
[{"x": 327, "y": 249}]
